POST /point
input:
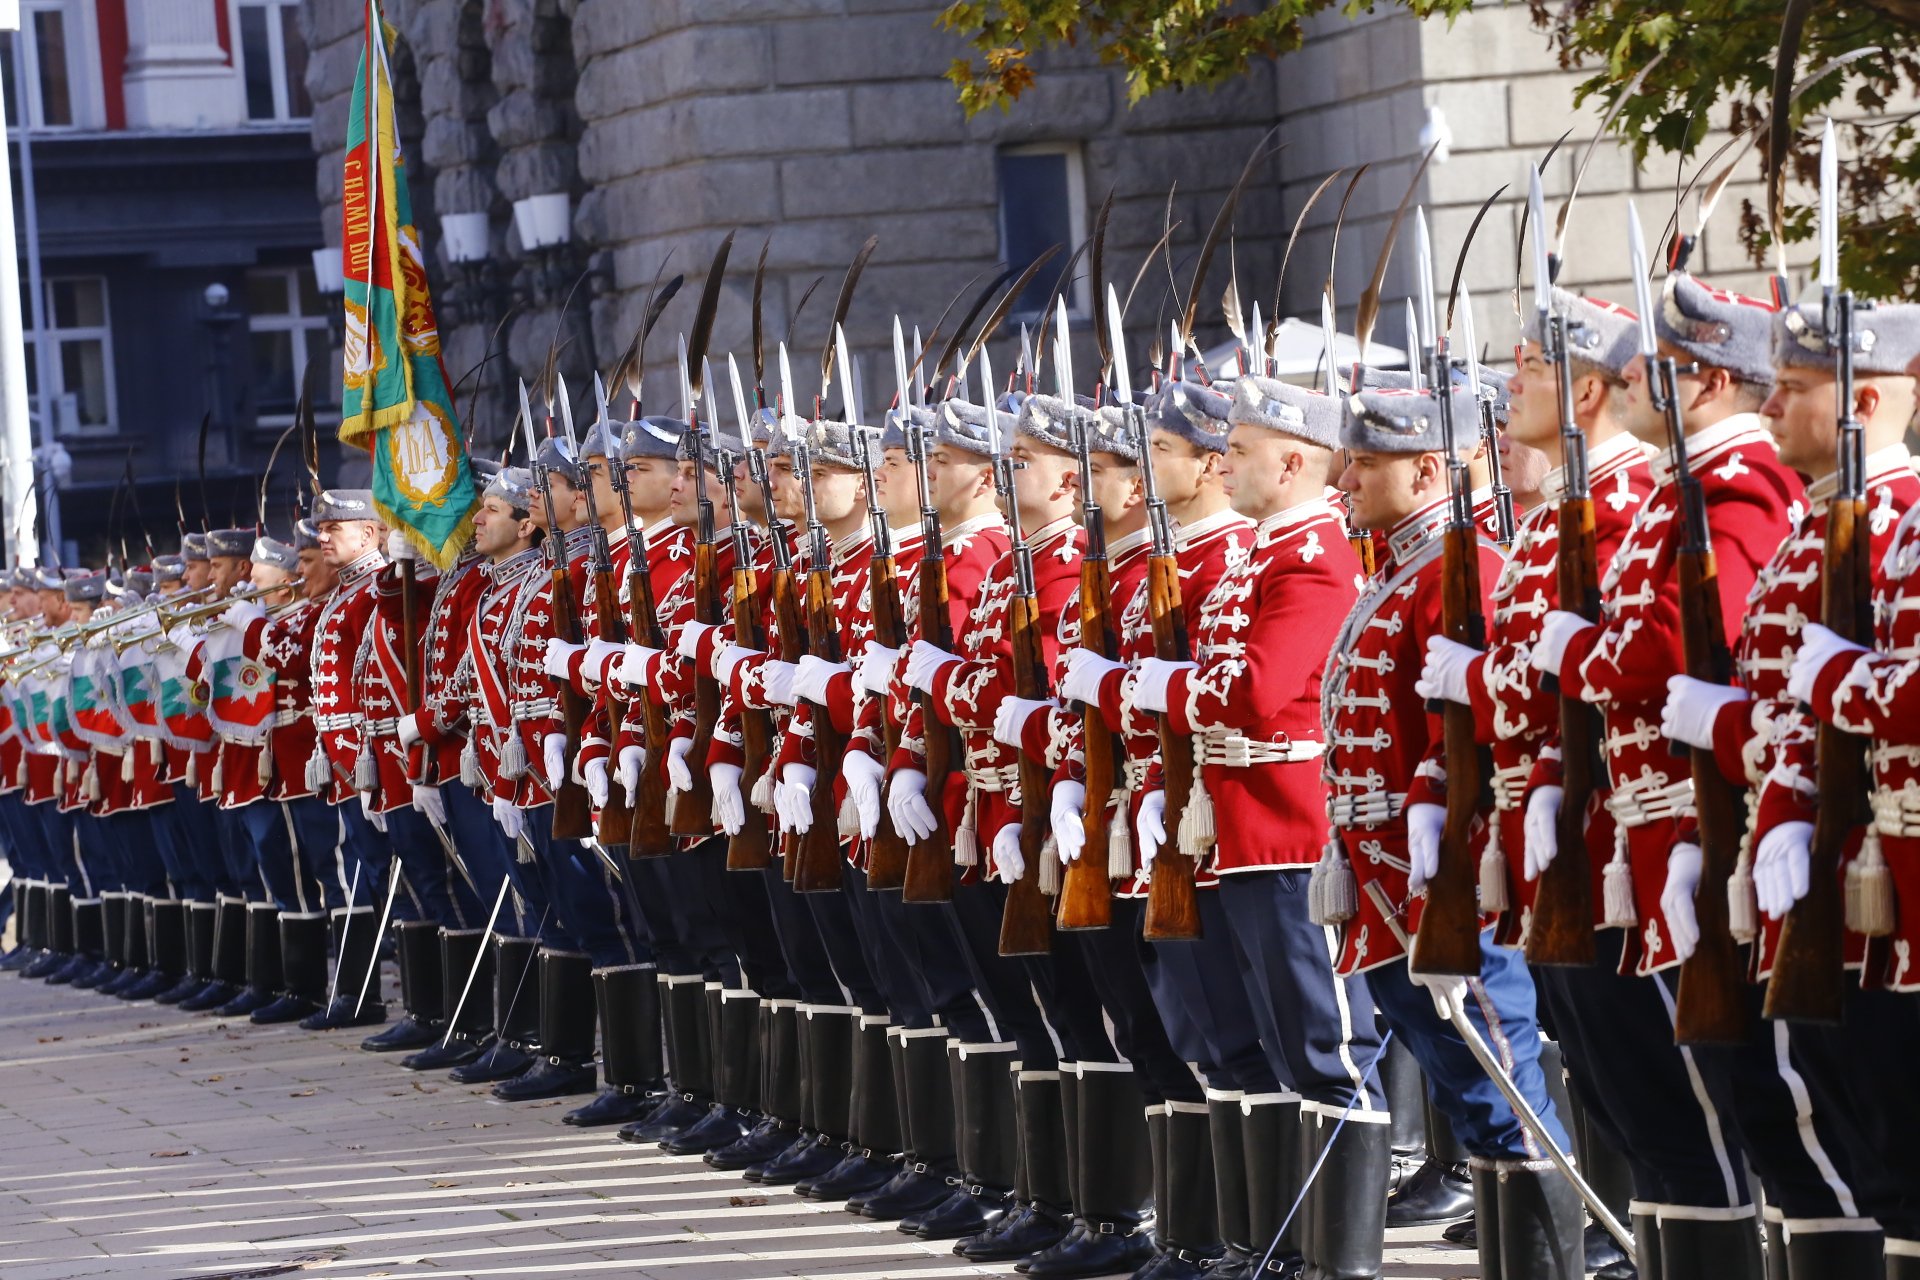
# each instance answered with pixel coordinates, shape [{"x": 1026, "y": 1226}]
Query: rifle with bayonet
[
  {"x": 1710, "y": 1005},
  {"x": 1809, "y": 966},
  {"x": 751, "y": 847},
  {"x": 929, "y": 872},
  {"x": 616, "y": 816},
  {"x": 572, "y": 807},
  {"x": 1086, "y": 892},
  {"x": 1026, "y": 922},
  {"x": 648, "y": 836},
  {"x": 692, "y": 810},
  {"x": 1561, "y": 929},
  {"x": 887, "y": 850},
  {"x": 1449, "y": 937},
  {"x": 783, "y": 588}
]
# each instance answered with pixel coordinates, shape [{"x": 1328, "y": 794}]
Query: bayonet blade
[
  {"x": 566, "y": 416},
  {"x": 1829, "y": 209},
  {"x": 1328, "y": 334},
  {"x": 902, "y": 386},
  {"x": 1259, "y": 345},
  {"x": 1414, "y": 346},
  {"x": 849, "y": 394},
  {"x": 1122, "y": 383},
  {"x": 1423, "y": 269},
  {"x": 1063, "y": 350},
  {"x": 788, "y": 410},
  {"x": 1471, "y": 348},
  {"x": 706, "y": 380},
  {"x": 526, "y": 418},
  {"x": 740, "y": 402},
  {"x": 991, "y": 400},
  {"x": 1537, "y": 232},
  {"x": 686, "y": 382},
  {"x": 1642, "y": 301}
]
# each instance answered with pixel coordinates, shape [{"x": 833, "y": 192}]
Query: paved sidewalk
[{"x": 137, "y": 1141}]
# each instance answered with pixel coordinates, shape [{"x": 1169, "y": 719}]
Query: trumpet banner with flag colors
[{"x": 395, "y": 401}]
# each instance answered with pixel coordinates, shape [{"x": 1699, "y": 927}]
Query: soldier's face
[
  {"x": 606, "y": 503},
  {"x": 54, "y": 607},
  {"x": 266, "y": 577},
  {"x": 225, "y": 572},
  {"x": 1256, "y": 470},
  {"x": 25, "y": 604},
  {"x": 568, "y": 504},
  {"x": 1385, "y": 488},
  {"x": 1181, "y": 469},
  {"x": 498, "y": 530},
  {"x": 899, "y": 489},
  {"x": 1799, "y": 413},
  {"x": 1116, "y": 485},
  {"x": 957, "y": 481},
  {"x": 1044, "y": 478},
  {"x": 839, "y": 495},
  {"x": 788, "y": 502},
  {"x": 199, "y": 574},
  {"x": 650, "y": 484},
  {"x": 80, "y": 611},
  {"x": 344, "y": 541},
  {"x": 684, "y": 497},
  {"x": 1533, "y": 417},
  {"x": 318, "y": 575}
]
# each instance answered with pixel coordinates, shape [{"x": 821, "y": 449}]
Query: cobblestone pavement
[{"x": 139, "y": 1141}]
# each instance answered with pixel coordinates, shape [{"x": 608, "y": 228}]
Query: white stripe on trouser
[
  {"x": 1502, "y": 1046},
  {"x": 1707, "y": 1112},
  {"x": 993, "y": 1027},
  {"x": 1058, "y": 1050},
  {"x": 1803, "y": 1120},
  {"x": 1346, "y": 1021},
  {"x": 340, "y": 875},
  {"x": 80, "y": 861},
  {"x": 293, "y": 847}
]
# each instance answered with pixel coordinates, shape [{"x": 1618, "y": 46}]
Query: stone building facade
[{"x": 811, "y": 124}]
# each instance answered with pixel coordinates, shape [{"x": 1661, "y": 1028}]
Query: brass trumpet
[{"x": 169, "y": 618}]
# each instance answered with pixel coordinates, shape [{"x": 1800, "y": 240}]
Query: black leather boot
[
  {"x": 777, "y": 1095},
  {"x": 516, "y": 1015},
  {"x": 89, "y": 950},
  {"x": 1227, "y": 1139},
  {"x": 1115, "y": 1180},
  {"x": 565, "y": 1065},
  {"x": 1347, "y": 1203},
  {"x": 1903, "y": 1260},
  {"x": 1539, "y": 1235},
  {"x": 30, "y": 925},
  {"x": 1644, "y": 1221},
  {"x": 1835, "y": 1254},
  {"x": 689, "y": 1068},
  {"x": 1037, "y": 1212},
  {"x": 303, "y": 969},
  {"x": 1440, "y": 1191},
  {"x": 732, "y": 1049},
  {"x": 113, "y": 908},
  {"x": 874, "y": 1126},
  {"x": 628, "y": 999},
  {"x": 925, "y": 1094},
  {"x": 422, "y": 992},
  {"x": 135, "y": 963},
  {"x": 166, "y": 956},
  {"x": 827, "y": 1033},
  {"x": 229, "y": 957},
  {"x": 1709, "y": 1244},
  {"x": 466, "y": 996},
  {"x": 356, "y": 946},
  {"x": 1186, "y": 1215},
  {"x": 1406, "y": 1096},
  {"x": 200, "y": 917},
  {"x": 264, "y": 963}
]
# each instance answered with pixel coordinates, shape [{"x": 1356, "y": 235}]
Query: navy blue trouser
[
  {"x": 1199, "y": 989},
  {"x": 1008, "y": 985},
  {"x": 365, "y": 854},
  {"x": 434, "y": 890},
  {"x": 709, "y": 924},
  {"x": 269, "y": 825},
  {"x": 1640, "y": 1089},
  {"x": 1861, "y": 1070},
  {"x": 1116, "y": 963},
  {"x": 237, "y": 857},
  {"x": 196, "y": 841},
  {"x": 588, "y": 904},
  {"x": 131, "y": 835},
  {"x": 98, "y": 856},
  {"x": 26, "y": 844},
  {"x": 489, "y": 855},
  {"x": 906, "y": 997},
  {"x": 182, "y": 874},
  {"x": 809, "y": 967},
  {"x": 839, "y": 933},
  {"x": 56, "y": 829},
  {"x": 1500, "y": 1005},
  {"x": 1316, "y": 1028},
  {"x": 922, "y": 943},
  {"x": 316, "y": 834}
]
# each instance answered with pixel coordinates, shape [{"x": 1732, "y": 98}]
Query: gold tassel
[
  {"x": 1616, "y": 886},
  {"x": 1333, "y": 896},
  {"x": 513, "y": 755},
  {"x": 1743, "y": 908},
  {"x": 1049, "y": 867},
  {"x": 1493, "y": 873},
  {"x": 1197, "y": 829},
  {"x": 1119, "y": 840},
  {"x": 366, "y": 774},
  {"x": 471, "y": 775},
  {"x": 1870, "y": 890}
]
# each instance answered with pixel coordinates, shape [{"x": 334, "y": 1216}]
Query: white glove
[
  {"x": 810, "y": 677},
  {"x": 634, "y": 663},
  {"x": 594, "y": 775},
  {"x": 553, "y": 755},
  {"x": 907, "y": 805},
  {"x": 507, "y": 814},
  {"x": 1676, "y": 900},
  {"x": 1557, "y": 630},
  {"x": 923, "y": 663},
  {"x": 1069, "y": 819},
  {"x": 242, "y": 614},
  {"x": 864, "y": 777},
  {"x": 1444, "y": 677},
  {"x": 1424, "y": 825},
  {"x": 398, "y": 548},
  {"x": 1086, "y": 670},
  {"x": 559, "y": 657},
  {"x": 1449, "y": 991},
  {"x": 1818, "y": 646},
  {"x": 776, "y": 679},
  {"x": 876, "y": 667},
  {"x": 628, "y": 773},
  {"x": 430, "y": 802},
  {"x": 1691, "y": 708},
  {"x": 1150, "y": 828},
  {"x": 1008, "y": 862},
  {"x": 407, "y": 728},
  {"x": 679, "y": 776},
  {"x": 727, "y": 658},
  {"x": 793, "y": 798},
  {"x": 1011, "y": 718},
  {"x": 601, "y": 655},
  {"x": 687, "y": 642},
  {"x": 1150, "y": 681},
  {"x": 729, "y": 806},
  {"x": 1781, "y": 874},
  {"x": 1542, "y": 830}
]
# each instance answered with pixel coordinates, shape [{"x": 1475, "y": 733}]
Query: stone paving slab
[{"x": 142, "y": 1142}]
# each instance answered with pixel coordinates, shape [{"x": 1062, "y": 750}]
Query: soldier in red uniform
[
  {"x": 1378, "y": 735},
  {"x": 33, "y": 884}
]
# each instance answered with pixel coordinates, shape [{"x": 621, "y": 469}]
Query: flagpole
[{"x": 17, "y": 437}]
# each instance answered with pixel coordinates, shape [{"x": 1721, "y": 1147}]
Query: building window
[
  {"x": 286, "y": 327},
  {"x": 78, "y": 354},
  {"x": 1043, "y": 202},
  {"x": 273, "y": 60},
  {"x": 53, "y": 41}
]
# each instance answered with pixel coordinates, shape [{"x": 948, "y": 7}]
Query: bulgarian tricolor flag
[{"x": 395, "y": 401}]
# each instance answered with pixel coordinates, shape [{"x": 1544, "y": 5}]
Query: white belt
[
  {"x": 1897, "y": 813},
  {"x": 1510, "y": 786},
  {"x": 383, "y": 728},
  {"x": 1637, "y": 808},
  {"x": 288, "y": 715},
  {"x": 996, "y": 778},
  {"x": 1366, "y": 808},
  {"x": 1237, "y": 751},
  {"x": 336, "y": 723},
  {"x": 534, "y": 709}
]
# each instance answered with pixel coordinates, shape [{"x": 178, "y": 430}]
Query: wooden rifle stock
[
  {"x": 693, "y": 811},
  {"x": 887, "y": 851},
  {"x": 1086, "y": 893},
  {"x": 930, "y": 862},
  {"x": 1709, "y": 1007},
  {"x": 572, "y": 807},
  {"x": 751, "y": 848},
  {"x": 1560, "y": 931},
  {"x": 650, "y": 837},
  {"x": 1026, "y": 922},
  {"x": 793, "y": 638},
  {"x": 1173, "y": 909},
  {"x": 1809, "y": 966},
  {"x": 818, "y": 870},
  {"x": 1449, "y": 937},
  {"x": 616, "y": 816}
]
